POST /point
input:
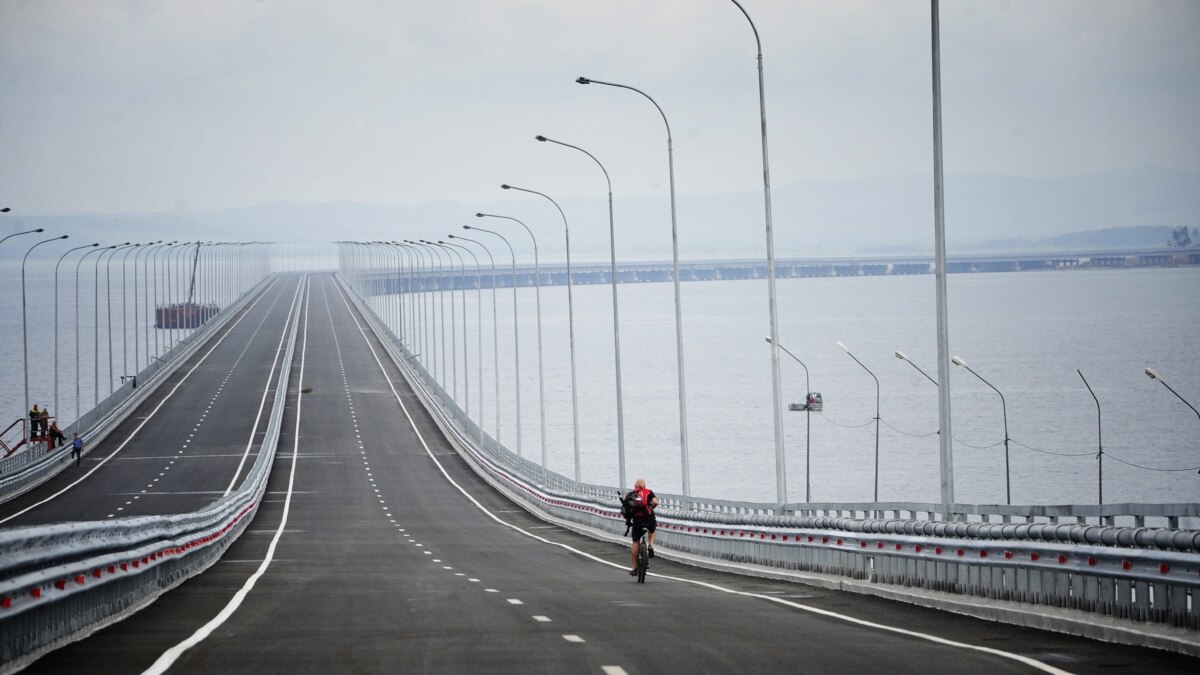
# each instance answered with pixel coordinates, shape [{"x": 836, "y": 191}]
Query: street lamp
[
  {"x": 108, "y": 291},
  {"x": 24, "y": 321},
  {"x": 430, "y": 349},
  {"x": 1004, "y": 409},
  {"x": 78, "y": 403},
  {"x": 495, "y": 338},
  {"x": 776, "y": 386},
  {"x": 1152, "y": 374},
  {"x": 807, "y": 422},
  {"x": 537, "y": 274},
  {"x": 570, "y": 322},
  {"x": 612, "y": 252},
  {"x": 478, "y": 330},
  {"x": 683, "y": 437},
  {"x": 847, "y": 350},
  {"x": 1099, "y": 443},
  {"x": 462, "y": 292},
  {"x": 17, "y": 234},
  {"x": 453, "y": 335},
  {"x": 56, "y": 266},
  {"x": 441, "y": 286},
  {"x": 904, "y": 357}
]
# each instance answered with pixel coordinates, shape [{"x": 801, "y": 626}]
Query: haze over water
[{"x": 1026, "y": 332}]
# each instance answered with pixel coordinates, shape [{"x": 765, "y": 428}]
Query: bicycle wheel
[{"x": 643, "y": 560}]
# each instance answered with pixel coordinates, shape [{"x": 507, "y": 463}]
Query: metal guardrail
[
  {"x": 60, "y": 580},
  {"x": 1136, "y": 573},
  {"x": 34, "y": 465}
]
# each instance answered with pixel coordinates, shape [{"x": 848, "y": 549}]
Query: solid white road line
[
  {"x": 171, "y": 655},
  {"x": 144, "y": 420},
  {"x": 1034, "y": 663}
]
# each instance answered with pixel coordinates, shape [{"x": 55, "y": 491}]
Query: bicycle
[{"x": 643, "y": 559}]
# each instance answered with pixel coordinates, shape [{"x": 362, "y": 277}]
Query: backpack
[{"x": 636, "y": 504}]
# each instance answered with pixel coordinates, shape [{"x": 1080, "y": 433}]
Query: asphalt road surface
[{"x": 377, "y": 550}]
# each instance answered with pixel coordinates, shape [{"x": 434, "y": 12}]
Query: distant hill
[{"x": 1113, "y": 209}]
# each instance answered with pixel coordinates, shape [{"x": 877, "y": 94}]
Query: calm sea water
[{"x": 1027, "y": 333}]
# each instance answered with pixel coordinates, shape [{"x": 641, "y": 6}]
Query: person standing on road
[
  {"x": 77, "y": 449},
  {"x": 638, "y": 508}
]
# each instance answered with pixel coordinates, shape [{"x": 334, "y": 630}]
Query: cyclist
[{"x": 638, "y": 507}]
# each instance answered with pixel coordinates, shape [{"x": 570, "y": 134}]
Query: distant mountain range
[{"x": 884, "y": 215}]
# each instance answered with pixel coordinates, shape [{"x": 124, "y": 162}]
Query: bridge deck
[{"x": 382, "y": 564}]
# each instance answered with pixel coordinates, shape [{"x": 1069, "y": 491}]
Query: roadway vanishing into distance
[{"x": 377, "y": 549}]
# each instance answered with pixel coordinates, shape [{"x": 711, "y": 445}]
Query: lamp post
[
  {"x": 478, "y": 330},
  {"x": 78, "y": 403},
  {"x": 111, "y": 250},
  {"x": 1099, "y": 443},
  {"x": 453, "y": 335},
  {"x": 683, "y": 436},
  {"x": 776, "y": 385},
  {"x": 612, "y": 252},
  {"x": 807, "y": 422},
  {"x": 495, "y": 338},
  {"x": 153, "y": 307},
  {"x": 136, "y": 342},
  {"x": 516, "y": 334},
  {"x": 24, "y": 320},
  {"x": 847, "y": 350},
  {"x": 108, "y": 291},
  {"x": 570, "y": 323},
  {"x": 945, "y": 440},
  {"x": 1004, "y": 410},
  {"x": 440, "y": 309},
  {"x": 462, "y": 293},
  {"x": 430, "y": 347},
  {"x": 17, "y": 234},
  {"x": 904, "y": 357},
  {"x": 56, "y": 266},
  {"x": 1152, "y": 374},
  {"x": 537, "y": 273}
]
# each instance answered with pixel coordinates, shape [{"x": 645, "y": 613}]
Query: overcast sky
[{"x": 155, "y": 105}]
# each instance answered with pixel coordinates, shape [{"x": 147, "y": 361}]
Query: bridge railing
[
  {"x": 63, "y": 580},
  {"x": 1139, "y": 573}
]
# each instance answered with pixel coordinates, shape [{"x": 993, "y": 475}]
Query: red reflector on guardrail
[
  {"x": 60, "y": 584},
  {"x": 80, "y": 579},
  {"x": 5, "y": 602},
  {"x": 1125, "y": 564},
  {"x": 1164, "y": 568},
  {"x": 1061, "y": 558},
  {"x": 36, "y": 592},
  {"x": 1034, "y": 556},
  {"x": 1091, "y": 561}
]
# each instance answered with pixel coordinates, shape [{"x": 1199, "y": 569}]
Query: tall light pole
[
  {"x": 570, "y": 322},
  {"x": 56, "y": 266},
  {"x": 111, "y": 250},
  {"x": 453, "y": 335},
  {"x": 847, "y": 350},
  {"x": 776, "y": 386},
  {"x": 945, "y": 445},
  {"x": 683, "y": 436},
  {"x": 537, "y": 273},
  {"x": 516, "y": 333},
  {"x": 108, "y": 291},
  {"x": 1153, "y": 374},
  {"x": 78, "y": 399},
  {"x": 427, "y": 303},
  {"x": 462, "y": 294},
  {"x": 807, "y": 422},
  {"x": 495, "y": 338},
  {"x": 904, "y": 357},
  {"x": 478, "y": 330},
  {"x": 1004, "y": 410},
  {"x": 17, "y": 234},
  {"x": 136, "y": 342},
  {"x": 1099, "y": 443},
  {"x": 24, "y": 319},
  {"x": 612, "y": 252}
]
